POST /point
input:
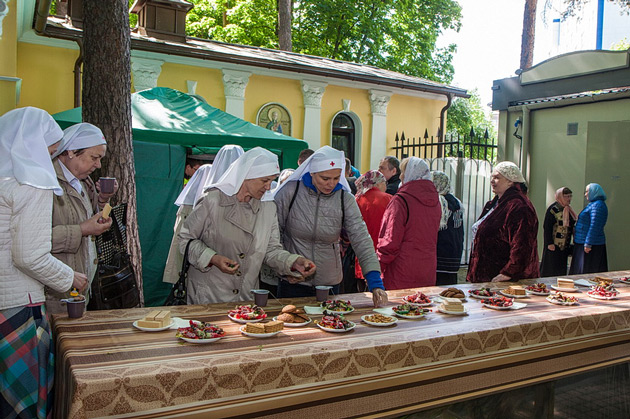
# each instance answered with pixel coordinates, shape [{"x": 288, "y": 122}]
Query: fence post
[{"x": 459, "y": 173}]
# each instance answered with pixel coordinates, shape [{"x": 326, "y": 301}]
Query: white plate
[
  {"x": 624, "y": 280},
  {"x": 338, "y": 312},
  {"x": 257, "y": 335},
  {"x": 497, "y": 308},
  {"x": 512, "y": 295},
  {"x": 151, "y": 329},
  {"x": 564, "y": 289},
  {"x": 561, "y": 303},
  {"x": 600, "y": 297},
  {"x": 405, "y": 316},
  {"x": 479, "y": 297},
  {"x": 585, "y": 282},
  {"x": 326, "y": 329},
  {"x": 438, "y": 299},
  {"x": 454, "y": 313},
  {"x": 537, "y": 292},
  {"x": 394, "y": 320},
  {"x": 294, "y": 324},
  {"x": 199, "y": 340},
  {"x": 417, "y": 304},
  {"x": 234, "y": 319}
]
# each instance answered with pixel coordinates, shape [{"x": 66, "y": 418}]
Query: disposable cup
[
  {"x": 107, "y": 184},
  {"x": 260, "y": 297},
  {"x": 321, "y": 292},
  {"x": 75, "y": 308}
]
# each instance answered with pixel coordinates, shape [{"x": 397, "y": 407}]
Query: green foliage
[
  {"x": 465, "y": 114},
  {"x": 622, "y": 45}
]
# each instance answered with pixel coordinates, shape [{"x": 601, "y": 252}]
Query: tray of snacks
[
  {"x": 248, "y": 313},
  {"x": 335, "y": 323},
  {"x": 409, "y": 311},
  {"x": 379, "y": 320},
  {"x": 418, "y": 299},
  {"x": 482, "y": 293},
  {"x": 262, "y": 330},
  {"x": 200, "y": 332},
  {"x": 453, "y": 293},
  {"x": 293, "y": 316},
  {"x": 514, "y": 291},
  {"x": 603, "y": 292},
  {"x": 538, "y": 288},
  {"x": 337, "y": 306},
  {"x": 562, "y": 299}
]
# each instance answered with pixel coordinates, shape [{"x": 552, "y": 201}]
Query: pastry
[
  {"x": 565, "y": 283},
  {"x": 155, "y": 319},
  {"x": 515, "y": 290},
  {"x": 452, "y": 304}
]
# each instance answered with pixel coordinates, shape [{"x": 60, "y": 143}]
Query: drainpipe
[
  {"x": 41, "y": 15},
  {"x": 77, "y": 74},
  {"x": 449, "y": 102}
]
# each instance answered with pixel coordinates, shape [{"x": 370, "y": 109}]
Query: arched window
[{"x": 343, "y": 135}]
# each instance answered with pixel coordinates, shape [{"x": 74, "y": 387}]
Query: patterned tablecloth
[{"x": 107, "y": 367}]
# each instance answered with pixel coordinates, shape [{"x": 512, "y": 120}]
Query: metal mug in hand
[{"x": 107, "y": 184}]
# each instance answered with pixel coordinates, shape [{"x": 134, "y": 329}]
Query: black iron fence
[{"x": 478, "y": 147}]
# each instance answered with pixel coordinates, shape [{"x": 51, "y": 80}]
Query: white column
[
  {"x": 313, "y": 92},
  {"x": 378, "y": 100},
  {"x": 4, "y": 10},
  {"x": 145, "y": 72},
  {"x": 234, "y": 85}
]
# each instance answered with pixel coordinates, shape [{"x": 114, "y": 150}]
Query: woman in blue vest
[{"x": 589, "y": 253}]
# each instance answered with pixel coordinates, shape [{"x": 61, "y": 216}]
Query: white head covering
[
  {"x": 443, "y": 186},
  {"x": 325, "y": 158},
  {"x": 253, "y": 164},
  {"x": 208, "y": 174},
  {"x": 25, "y": 135},
  {"x": 416, "y": 169},
  {"x": 80, "y": 136},
  {"x": 510, "y": 171}
]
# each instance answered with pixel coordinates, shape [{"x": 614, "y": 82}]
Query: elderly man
[{"x": 390, "y": 168}]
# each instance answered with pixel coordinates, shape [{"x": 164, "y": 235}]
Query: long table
[{"x": 106, "y": 367}]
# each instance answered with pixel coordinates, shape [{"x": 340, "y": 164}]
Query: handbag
[
  {"x": 114, "y": 285},
  {"x": 178, "y": 294}
]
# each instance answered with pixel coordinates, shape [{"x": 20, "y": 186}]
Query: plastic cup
[
  {"x": 107, "y": 184},
  {"x": 321, "y": 292},
  {"x": 76, "y": 308},
  {"x": 260, "y": 297}
]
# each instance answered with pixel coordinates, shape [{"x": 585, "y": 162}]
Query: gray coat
[
  {"x": 246, "y": 232},
  {"x": 313, "y": 226}
]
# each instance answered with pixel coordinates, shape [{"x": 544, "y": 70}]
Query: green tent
[{"x": 165, "y": 123}]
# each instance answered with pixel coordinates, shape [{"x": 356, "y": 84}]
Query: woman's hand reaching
[{"x": 224, "y": 264}]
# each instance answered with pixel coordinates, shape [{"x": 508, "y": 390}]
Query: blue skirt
[{"x": 588, "y": 263}]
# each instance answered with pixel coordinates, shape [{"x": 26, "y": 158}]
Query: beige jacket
[
  {"x": 26, "y": 265},
  {"x": 246, "y": 232},
  {"x": 175, "y": 259},
  {"x": 68, "y": 245}
]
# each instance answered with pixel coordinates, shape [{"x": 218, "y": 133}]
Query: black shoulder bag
[
  {"x": 114, "y": 285},
  {"x": 178, "y": 294}
]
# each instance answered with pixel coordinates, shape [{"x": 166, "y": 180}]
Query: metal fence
[{"x": 468, "y": 162}]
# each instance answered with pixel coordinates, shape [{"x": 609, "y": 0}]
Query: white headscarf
[
  {"x": 208, "y": 174},
  {"x": 80, "y": 136},
  {"x": 25, "y": 135},
  {"x": 510, "y": 171},
  {"x": 253, "y": 164},
  {"x": 325, "y": 158},
  {"x": 416, "y": 169},
  {"x": 443, "y": 186}
]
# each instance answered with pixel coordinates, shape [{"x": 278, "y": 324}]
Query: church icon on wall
[{"x": 274, "y": 117}]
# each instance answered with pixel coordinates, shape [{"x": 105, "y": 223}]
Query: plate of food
[
  {"x": 561, "y": 299},
  {"x": 155, "y": 321},
  {"x": 337, "y": 306},
  {"x": 379, "y": 320},
  {"x": 603, "y": 292},
  {"x": 248, "y": 313},
  {"x": 200, "y": 332},
  {"x": 418, "y": 299},
  {"x": 153, "y": 329},
  {"x": 452, "y": 312},
  {"x": 293, "y": 316},
  {"x": 498, "y": 303},
  {"x": 625, "y": 279},
  {"x": 538, "y": 288},
  {"x": 334, "y": 323},
  {"x": 514, "y": 291},
  {"x": 482, "y": 293},
  {"x": 409, "y": 311},
  {"x": 453, "y": 293},
  {"x": 564, "y": 285},
  {"x": 261, "y": 330}
]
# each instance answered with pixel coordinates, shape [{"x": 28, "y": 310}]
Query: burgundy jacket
[
  {"x": 407, "y": 243},
  {"x": 506, "y": 240}
]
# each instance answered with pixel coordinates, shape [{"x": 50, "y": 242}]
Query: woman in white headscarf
[
  {"x": 28, "y": 136},
  {"x": 207, "y": 174},
  {"x": 233, "y": 232},
  {"x": 76, "y": 213},
  {"x": 314, "y": 205},
  {"x": 408, "y": 238},
  {"x": 450, "y": 244},
  {"x": 505, "y": 245}
]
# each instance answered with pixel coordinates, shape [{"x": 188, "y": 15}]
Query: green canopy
[{"x": 165, "y": 122}]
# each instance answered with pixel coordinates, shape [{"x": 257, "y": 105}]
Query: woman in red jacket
[
  {"x": 372, "y": 201},
  {"x": 408, "y": 238}
]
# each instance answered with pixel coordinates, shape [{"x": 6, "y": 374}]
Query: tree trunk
[
  {"x": 107, "y": 103},
  {"x": 284, "y": 25},
  {"x": 529, "y": 34}
]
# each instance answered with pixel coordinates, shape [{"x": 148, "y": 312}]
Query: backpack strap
[
  {"x": 297, "y": 186},
  {"x": 343, "y": 208}
]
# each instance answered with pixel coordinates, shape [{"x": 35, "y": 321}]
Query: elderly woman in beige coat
[
  {"x": 76, "y": 214},
  {"x": 233, "y": 232}
]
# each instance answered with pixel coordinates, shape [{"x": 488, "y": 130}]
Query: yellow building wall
[
  {"x": 8, "y": 60},
  {"x": 47, "y": 76},
  {"x": 209, "y": 83},
  {"x": 412, "y": 116}
]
